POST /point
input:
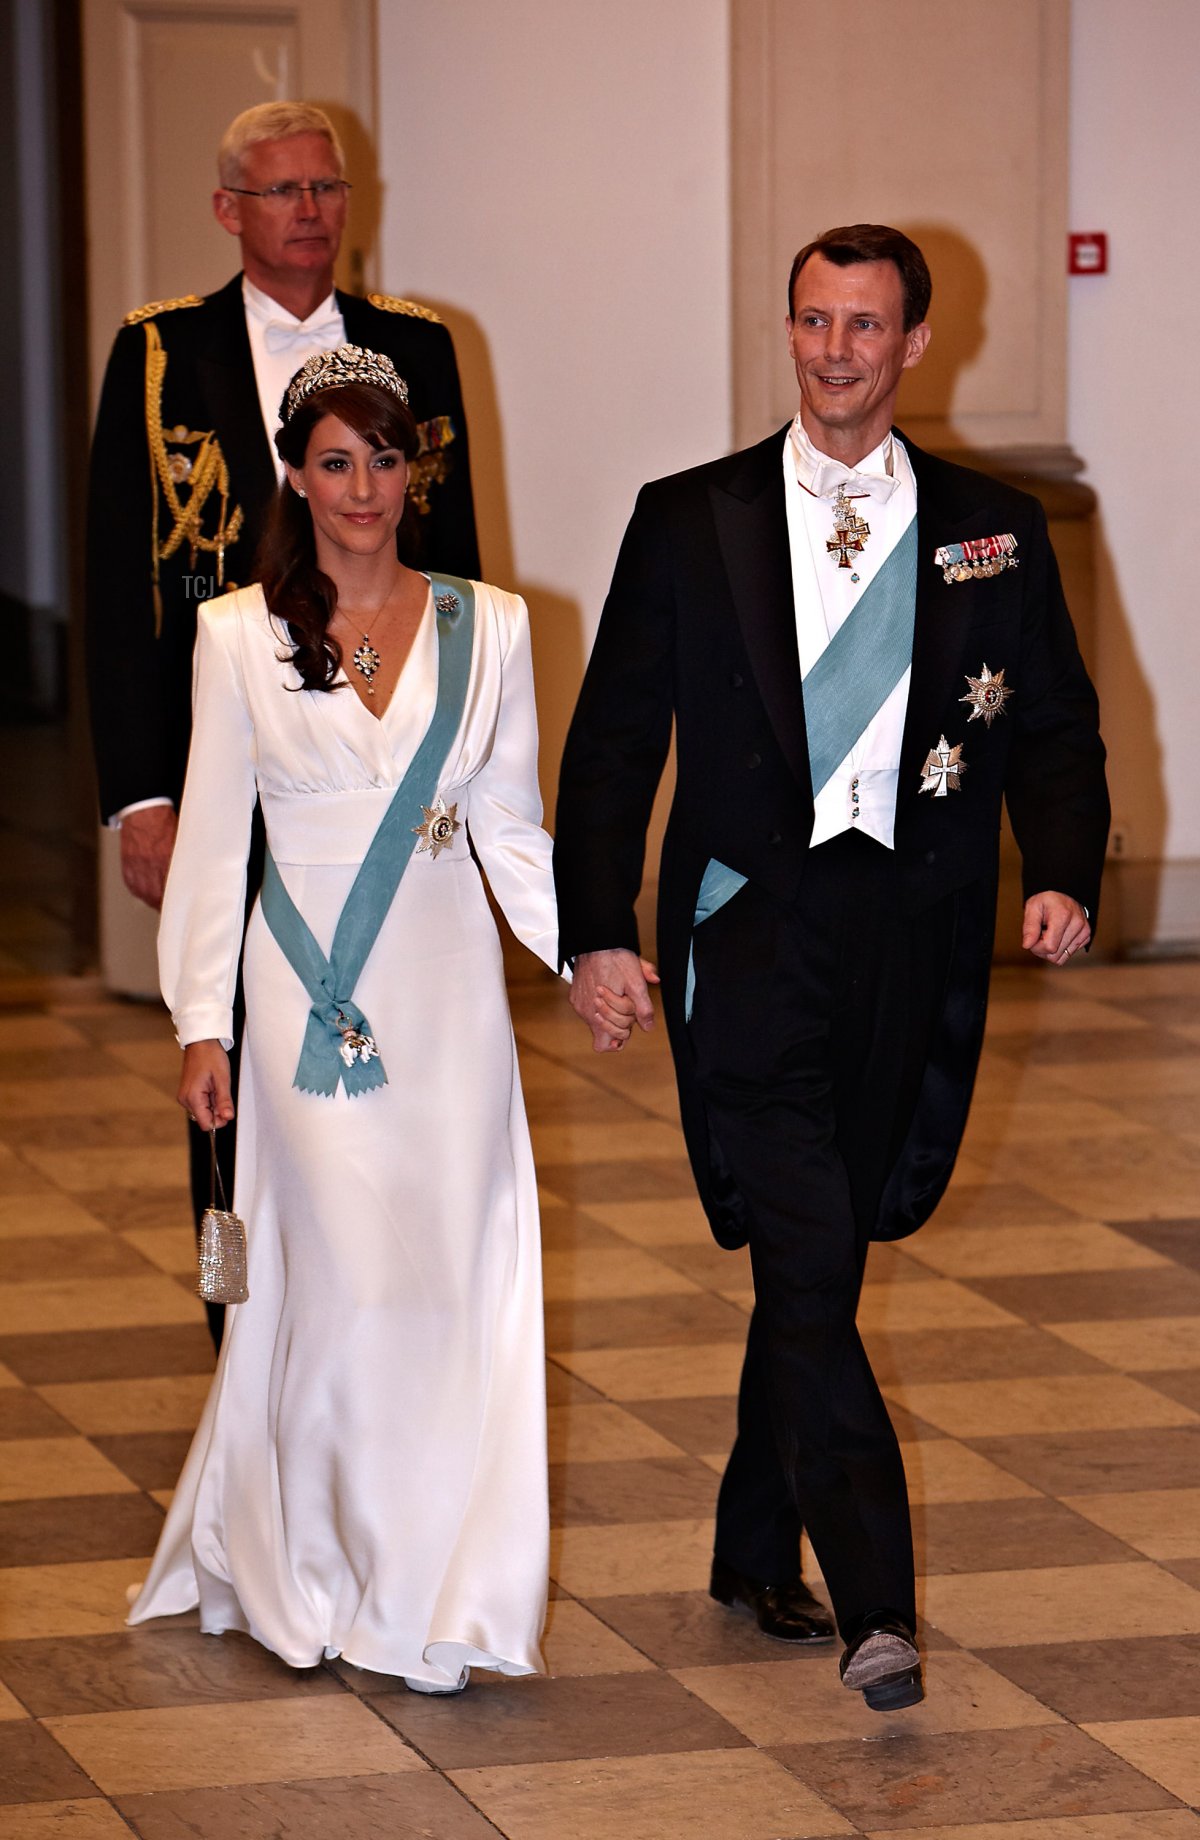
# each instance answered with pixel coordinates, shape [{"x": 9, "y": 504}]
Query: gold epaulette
[
  {"x": 391, "y": 303},
  {"x": 154, "y": 307}
]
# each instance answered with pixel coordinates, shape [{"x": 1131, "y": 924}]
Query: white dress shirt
[
  {"x": 861, "y": 793},
  {"x": 279, "y": 344}
]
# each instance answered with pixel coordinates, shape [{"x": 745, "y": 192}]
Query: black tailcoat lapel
[
  {"x": 939, "y": 630},
  {"x": 751, "y": 520}
]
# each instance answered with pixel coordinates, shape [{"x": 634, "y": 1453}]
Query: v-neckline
[{"x": 380, "y": 717}]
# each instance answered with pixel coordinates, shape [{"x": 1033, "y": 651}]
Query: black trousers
[
  {"x": 199, "y": 1154},
  {"x": 810, "y": 1030}
]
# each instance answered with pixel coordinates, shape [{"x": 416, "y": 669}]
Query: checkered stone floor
[{"x": 1039, "y": 1344}]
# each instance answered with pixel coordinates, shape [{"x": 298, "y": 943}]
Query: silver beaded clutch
[{"x": 222, "y": 1276}]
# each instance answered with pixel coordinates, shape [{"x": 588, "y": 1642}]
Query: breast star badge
[
  {"x": 988, "y": 694},
  {"x": 943, "y": 769},
  {"x": 437, "y": 832}
]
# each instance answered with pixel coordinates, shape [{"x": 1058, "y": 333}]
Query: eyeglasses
[{"x": 276, "y": 197}]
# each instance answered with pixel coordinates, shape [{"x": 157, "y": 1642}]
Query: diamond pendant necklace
[{"x": 366, "y": 659}]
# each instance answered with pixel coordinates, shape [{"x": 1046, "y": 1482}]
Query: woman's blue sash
[{"x": 337, "y": 1040}]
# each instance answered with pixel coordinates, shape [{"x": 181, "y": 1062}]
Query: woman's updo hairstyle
[{"x": 297, "y": 591}]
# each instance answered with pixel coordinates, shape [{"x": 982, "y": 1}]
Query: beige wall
[
  {"x": 557, "y": 181},
  {"x": 1134, "y": 416},
  {"x": 556, "y": 184}
]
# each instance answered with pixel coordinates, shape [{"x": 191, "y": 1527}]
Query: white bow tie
[
  {"x": 829, "y": 477},
  {"x": 280, "y": 335},
  {"x": 825, "y": 478}
]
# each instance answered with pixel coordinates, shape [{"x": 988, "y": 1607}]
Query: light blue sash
[
  {"x": 863, "y": 662},
  {"x": 717, "y": 885},
  {"x": 848, "y": 685},
  {"x": 330, "y": 981}
]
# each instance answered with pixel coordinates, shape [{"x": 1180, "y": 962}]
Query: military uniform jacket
[
  {"x": 215, "y": 455},
  {"x": 699, "y": 630}
]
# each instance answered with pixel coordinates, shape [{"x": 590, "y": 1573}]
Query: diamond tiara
[{"x": 333, "y": 370}]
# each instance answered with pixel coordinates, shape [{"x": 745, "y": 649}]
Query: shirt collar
[
  {"x": 260, "y": 307},
  {"x": 820, "y": 474}
]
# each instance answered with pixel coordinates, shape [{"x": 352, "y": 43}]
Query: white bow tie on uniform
[{"x": 280, "y": 335}]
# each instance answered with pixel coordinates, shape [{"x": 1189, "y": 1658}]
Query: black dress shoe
[
  {"x": 789, "y": 1612},
  {"x": 882, "y": 1663}
]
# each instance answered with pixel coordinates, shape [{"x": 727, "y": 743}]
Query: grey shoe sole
[{"x": 887, "y": 1672}]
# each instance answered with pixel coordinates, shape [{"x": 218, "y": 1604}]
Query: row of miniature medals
[{"x": 979, "y": 558}]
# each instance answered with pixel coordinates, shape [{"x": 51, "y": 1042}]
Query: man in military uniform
[{"x": 184, "y": 467}]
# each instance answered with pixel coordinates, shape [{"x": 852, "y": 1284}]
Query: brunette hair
[
  {"x": 297, "y": 591},
  {"x": 872, "y": 243}
]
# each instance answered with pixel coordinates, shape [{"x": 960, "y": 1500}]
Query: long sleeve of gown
[
  {"x": 506, "y": 801},
  {"x": 203, "y": 912}
]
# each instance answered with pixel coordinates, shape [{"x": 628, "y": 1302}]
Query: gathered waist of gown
[{"x": 320, "y": 829}]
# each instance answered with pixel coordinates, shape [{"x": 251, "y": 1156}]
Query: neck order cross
[{"x": 850, "y": 532}]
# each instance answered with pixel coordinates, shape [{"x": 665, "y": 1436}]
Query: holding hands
[{"x": 610, "y": 992}]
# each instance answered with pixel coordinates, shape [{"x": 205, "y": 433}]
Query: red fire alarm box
[{"x": 1087, "y": 253}]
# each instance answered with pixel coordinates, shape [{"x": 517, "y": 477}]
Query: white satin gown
[{"x": 369, "y": 1475}]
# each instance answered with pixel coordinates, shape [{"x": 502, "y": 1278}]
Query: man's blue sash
[
  {"x": 863, "y": 662},
  {"x": 330, "y": 981},
  {"x": 846, "y": 688},
  {"x": 718, "y": 884}
]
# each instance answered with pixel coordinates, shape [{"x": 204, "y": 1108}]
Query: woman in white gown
[{"x": 369, "y": 1475}]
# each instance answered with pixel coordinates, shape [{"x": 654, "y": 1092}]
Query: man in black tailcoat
[
  {"x": 184, "y": 467},
  {"x": 864, "y": 650}
]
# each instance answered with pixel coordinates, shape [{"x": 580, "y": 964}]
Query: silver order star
[
  {"x": 437, "y": 832},
  {"x": 988, "y": 695}
]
